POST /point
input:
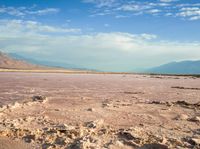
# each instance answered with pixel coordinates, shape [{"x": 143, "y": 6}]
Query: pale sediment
[{"x": 99, "y": 111}]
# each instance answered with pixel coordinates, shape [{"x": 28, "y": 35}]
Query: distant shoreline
[{"x": 90, "y": 72}]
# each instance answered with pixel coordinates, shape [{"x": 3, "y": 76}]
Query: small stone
[
  {"x": 106, "y": 105},
  {"x": 182, "y": 117},
  {"x": 39, "y": 98},
  {"x": 16, "y": 105},
  {"x": 94, "y": 124},
  {"x": 48, "y": 146},
  {"x": 3, "y": 107},
  {"x": 60, "y": 141},
  {"x": 195, "y": 119},
  {"x": 29, "y": 138},
  {"x": 91, "y": 109},
  {"x": 196, "y": 141},
  {"x": 154, "y": 146}
]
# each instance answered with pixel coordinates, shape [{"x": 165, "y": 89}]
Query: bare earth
[{"x": 99, "y": 111}]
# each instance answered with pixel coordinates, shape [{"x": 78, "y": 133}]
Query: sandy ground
[{"x": 99, "y": 111}]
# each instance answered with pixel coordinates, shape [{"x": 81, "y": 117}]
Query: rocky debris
[
  {"x": 196, "y": 141},
  {"x": 35, "y": 100},
  {"x": 95, "y": 124},
  {"x": 3, "y": 108},
  {"x": 39, "y": 98},
  {"x": 182, "y": 117},
  {"x": 9, "y": 107},
  {"x": 91, "y": 109},
  {"x": 186, "y": 88},
  {"x": 6, "y": 143},
  {"x": 91, "y": 135},
  {"x": 28, "y": 138},
  {"x": 154, "y": 146},
  {"x": 129, "y": 92},
  {"x": 195, "y": 119},
  {"x": 187, "y": 104},
  {"x": 182, "y": 103},
  {"x": 192, "y": 142},
  {"x": 106, "y": 105}
]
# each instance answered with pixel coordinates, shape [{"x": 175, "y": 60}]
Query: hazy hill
[
  {"x": 7, "y": 62},
  {"x": 49, "y": 63},
  {"x": 183, "y": 67}
]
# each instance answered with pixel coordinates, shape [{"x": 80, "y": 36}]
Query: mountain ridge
[
  {"x": 180, "y": 67},
  {"x": 8, "y": 62}
]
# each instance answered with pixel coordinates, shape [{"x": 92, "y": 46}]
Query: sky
[{"x": 107, "y": 35}]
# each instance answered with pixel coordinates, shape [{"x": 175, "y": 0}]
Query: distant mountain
[
  {"x": 46, "y": 63},
  {"x": 183, "y": 67},
  {"x": 8, "y": 62}
]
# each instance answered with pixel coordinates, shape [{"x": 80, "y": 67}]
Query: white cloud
[
  {"x": 121, "y": 16},
  {"x": 134, "y": 7},
  {"x": 192, "y": 13},
  {"x": 27, "y": 27},
  {"x": 153, "y": 11},
  {"x": 106, "y": 51},
  {"x": 194, "y": 18},
  {"x": 101, "y": 3},
  {"x": 44, "y": 11},
  {"x": 170, "y": 8},
  {"x": 23, "y": 11},
  {"x": 12, "y": 11},
  {"x": 167, "y": 1},
  {"x": 148, "y": 36}
]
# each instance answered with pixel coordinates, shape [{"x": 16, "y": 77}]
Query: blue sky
[{"x": 110, "y": 35}]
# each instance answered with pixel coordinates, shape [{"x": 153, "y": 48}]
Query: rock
[
  {"x": 15, "y": 105},
  {"x": 48, "y": 146},
  {"x": 182, "y": 103},
  {"x": 95, "y": 124},
  {"x": 119, "y": 145},
  {"x": 91, "y": 109},
  {"x": 63, "y": 128},
  {"x": 154, "y": 146},
  {"x": 60, "y": 141},
  {"x": 39, "y": 98},
  {"x": 29, "y": 138},
  {"x": 195, "y": 119},
  {"x": 196, "y": 141},
  {"x": 29, "y": 119},
  {"x": 4, "y": 107},
  {"x": 182, "y": 117},
  {"x": 126, "y": 135}
]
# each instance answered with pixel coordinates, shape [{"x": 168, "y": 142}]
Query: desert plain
[{"x": 98, "y": 111}]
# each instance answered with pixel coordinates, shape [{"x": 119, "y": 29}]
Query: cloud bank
[
  {"x": 24, "y": 11},
  {"x": 167, "y": 8},
  {"x": 112, "y": 51}
]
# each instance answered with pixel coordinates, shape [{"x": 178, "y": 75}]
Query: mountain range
[
  {"x": 182, "y": 67},
  {"x": 47, "y": 63},
  {"x": 16, "y": 61},
  {"x": 8, "y": 62}
]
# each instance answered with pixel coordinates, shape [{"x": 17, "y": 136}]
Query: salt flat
[{"x": 61, "y": 110}]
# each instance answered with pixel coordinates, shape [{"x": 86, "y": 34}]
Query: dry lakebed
[{"x": 98, "y": 111}]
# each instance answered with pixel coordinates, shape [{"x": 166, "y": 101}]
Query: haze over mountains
[
  {"x": 48, "y": 63},
  {"x": 182, "y": 67},
  {"x": 7, "y": 62},
  {"x": 16, "y": 61}
]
